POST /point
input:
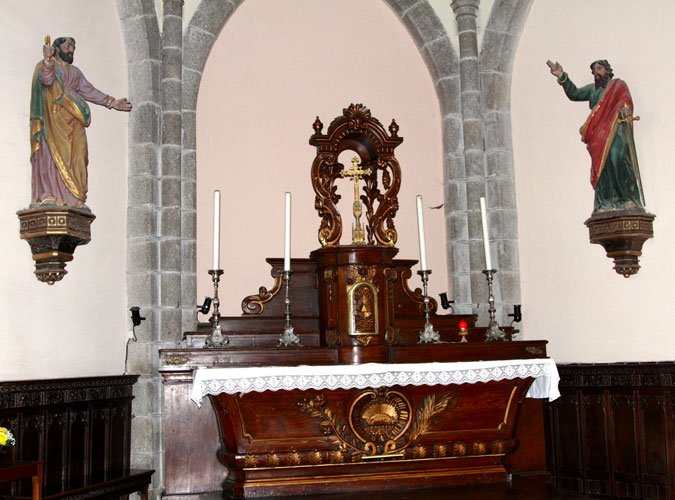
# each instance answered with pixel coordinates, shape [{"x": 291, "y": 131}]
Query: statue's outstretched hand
[
  {"x": 121, "y": 105},
  {"x": 556, "y": 68}
]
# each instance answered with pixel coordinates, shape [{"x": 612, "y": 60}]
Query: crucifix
[{"x": 356, "y": 173}]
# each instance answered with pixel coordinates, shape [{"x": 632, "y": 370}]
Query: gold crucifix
[{"x": 356, "y": 173}]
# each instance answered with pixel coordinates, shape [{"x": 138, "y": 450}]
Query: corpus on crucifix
[{"x": 356, "y": 173}]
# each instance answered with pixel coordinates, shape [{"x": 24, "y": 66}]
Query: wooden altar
[{"x": 360, "y": 404}]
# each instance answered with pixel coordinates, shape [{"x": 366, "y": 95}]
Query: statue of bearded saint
[
  {"x": 59, "y": 114},
  {"x": 608, "y": 135}
]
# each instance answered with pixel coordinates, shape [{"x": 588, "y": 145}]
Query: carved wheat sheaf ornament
[{"x": 379, "y": 422}]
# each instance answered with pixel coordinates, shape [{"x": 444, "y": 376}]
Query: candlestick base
[
  {"x": 288, "y": 337},
  {"x": 216, "y": 339},
  {"x": 493, "y": 331},
  {"x": 428, "y": 335}
]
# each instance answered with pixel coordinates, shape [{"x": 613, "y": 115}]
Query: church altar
[
  {"x": 341, "y": 376},
  {"x": 215, "y": 381}
]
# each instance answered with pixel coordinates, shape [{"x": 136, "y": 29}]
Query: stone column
[
  {"x": 469, "y": 283},
  {"x": 171, "y": 175}
]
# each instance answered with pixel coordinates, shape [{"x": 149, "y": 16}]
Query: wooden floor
[{"x": 522, "y": 488}]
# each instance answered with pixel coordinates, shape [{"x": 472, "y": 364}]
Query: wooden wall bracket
[
  {"x": 622, "y": 236},
  {"x": 53, "y": 232}
]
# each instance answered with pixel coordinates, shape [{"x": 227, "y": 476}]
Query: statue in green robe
[{"x": 608, "y": 134}]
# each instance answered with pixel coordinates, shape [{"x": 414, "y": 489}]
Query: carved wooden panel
[
  {"x": 80, "y": 428},
  {"x": 613, "y": 430},
  {"x": 357, "y": 130}
]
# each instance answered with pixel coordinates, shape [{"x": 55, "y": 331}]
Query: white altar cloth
[{"x": 275, "y": 378}]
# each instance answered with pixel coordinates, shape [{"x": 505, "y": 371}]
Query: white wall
[
  {"x": 273, "y": 69},
  {"x": 77, "y": 327},
  {"x": 570, "y": 293}
]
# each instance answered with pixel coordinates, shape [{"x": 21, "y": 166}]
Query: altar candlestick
[
  {"x": 486, "y": 234},
  {"x": 420, "y": 234},
  {"x": 287, "y": 234},
  {"x": 216, "y": 229}
]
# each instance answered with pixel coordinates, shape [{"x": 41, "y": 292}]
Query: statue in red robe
[{"x": 608, "y": 135}]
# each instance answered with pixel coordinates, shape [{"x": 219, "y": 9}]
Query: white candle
[
  {"x": 287, "y": 234},
  {"x": 486, "y": 234},
  {"x": 420, "y": 234},
  {"x": 216, "y": 229}
]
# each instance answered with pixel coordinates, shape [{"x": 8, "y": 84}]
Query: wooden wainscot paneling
[
  {"x": 80, "y": 428},
  {"x": 612, "y": 432}
]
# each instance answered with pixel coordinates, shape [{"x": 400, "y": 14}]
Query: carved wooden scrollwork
[
  {"x": 255, "y": 304},
  {"x": 358, "y": 131},
  {"x": 416, "y": 296}
]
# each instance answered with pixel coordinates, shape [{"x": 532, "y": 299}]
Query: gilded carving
[
  {"x": 459, "y": 449},
  {"x": 363, "y": 310},
  {"x": 364, "y": 340},
  {"x": 336, "y": 457},
  {"x": 416, "y": 296},
  {"x": 440, "y": 450},
  {"x": 273, "y": 459},
  {"x": 379, "y": 422},
  {"x": 358, "y": 131},
  {"x": 362, "y": 274},
  {"x": 250, "y": 461},
  {"x": 176, "y": 359},
  {"x": 329, "y": 277},
  {"x": 537, "y": 351},
  {"x": 293, "y": 458},
  {"x": 419, "y": 451},
  {"x": 255, "y": 304},
  {"x": 315, "y": 457}
]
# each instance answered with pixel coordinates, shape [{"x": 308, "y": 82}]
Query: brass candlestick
[
  {"x": 288, "y": 337},
  {"x": 428, "y": 335},
  {"x": 493, "y": 332},
  {"x": 216, "y": 339}
]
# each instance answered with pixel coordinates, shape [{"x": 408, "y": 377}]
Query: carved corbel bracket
[
  {"x": 53, "y": 232},
  {"x": 622, "y": 237}
]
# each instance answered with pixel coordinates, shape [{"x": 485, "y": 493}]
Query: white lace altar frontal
[{"x": 279, "y": 378}]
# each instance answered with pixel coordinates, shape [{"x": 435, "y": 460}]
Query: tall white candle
[
  {"x": 486, "y": 234},
  {"x": 420, "y": 235},
  {"x": 287, "y": 234},
  {"x": 216, "y": 229}
]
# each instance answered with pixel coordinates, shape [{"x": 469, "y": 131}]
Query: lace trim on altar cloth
[{"x": 215, "y": 381}]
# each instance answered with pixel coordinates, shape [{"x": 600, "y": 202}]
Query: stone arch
[
  {"x": 418, "y": 17},
  {"x": 500, "y": 42},
  {"x": 162, "y": 165}
]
